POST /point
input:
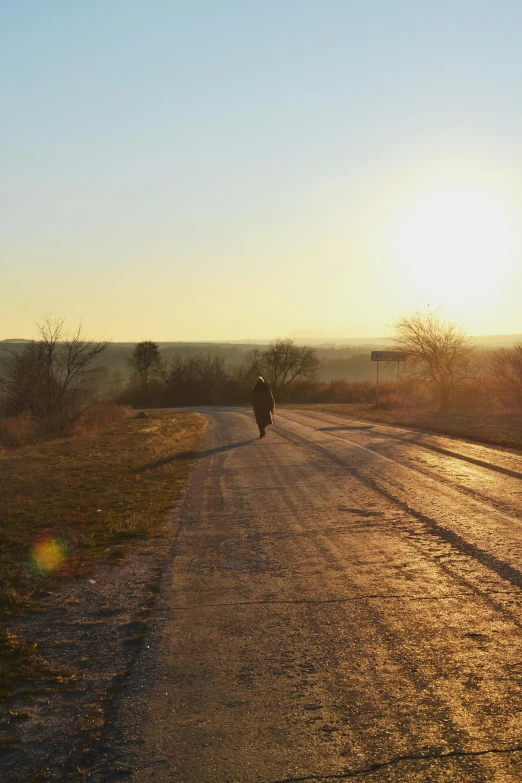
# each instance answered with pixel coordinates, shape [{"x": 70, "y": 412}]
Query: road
[{"x": 343, "y": 603}]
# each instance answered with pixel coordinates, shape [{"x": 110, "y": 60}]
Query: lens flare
[{"x": 48, "y": 554}]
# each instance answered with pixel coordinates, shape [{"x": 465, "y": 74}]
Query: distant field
[
  {"x": 500, "y": 428},
  {"x": 67, "y": 503}
]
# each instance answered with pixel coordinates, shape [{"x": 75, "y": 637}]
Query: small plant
[
  {"x": 19, "y": 661},
  {"x": 19, "y": 430}
]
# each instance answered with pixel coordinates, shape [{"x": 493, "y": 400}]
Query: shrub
[
  {"x": 17, "y": 430},
  {"x": 23, "y": 429},
  {"x": 51, "y": 378}
]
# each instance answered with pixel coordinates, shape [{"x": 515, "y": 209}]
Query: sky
[{"x": 222, "y": 170}]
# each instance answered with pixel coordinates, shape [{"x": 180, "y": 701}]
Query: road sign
[{"x": 388, "y": 356}]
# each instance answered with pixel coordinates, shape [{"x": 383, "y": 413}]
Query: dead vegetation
[
  {"x": 24, "y": 430},
  {"x": 67, "y": 502},
  {"x": 18, "y": 660},
  {"x": 52, "y": 378}
]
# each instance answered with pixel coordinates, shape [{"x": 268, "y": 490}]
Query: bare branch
[
  {"x": 437, "y": 351},
  {"x": 50, "y": 377},
  {"x": 283, "y": 362}
]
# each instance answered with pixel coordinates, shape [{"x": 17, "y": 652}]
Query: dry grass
[
  {"x": 23, "y": 430},
  {"x": 66, "y": 502},
  {"x": 499, "y": 428},
  {"x": 18, "y": 660},
  {"x": 16, "y": 431}
]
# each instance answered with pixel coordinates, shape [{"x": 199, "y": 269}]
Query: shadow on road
[
  {"x": 362, "y": 512},
  {"x": 191, "y": 455},
  {"x": 348, "y": 427}
]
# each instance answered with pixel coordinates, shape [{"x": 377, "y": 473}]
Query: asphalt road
[{"x": 344, "y": 602}]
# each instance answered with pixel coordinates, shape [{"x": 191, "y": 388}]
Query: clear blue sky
[{"x": 225, "y": 170}]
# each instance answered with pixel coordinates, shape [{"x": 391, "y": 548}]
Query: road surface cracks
[{"x": 344, "y": 602}]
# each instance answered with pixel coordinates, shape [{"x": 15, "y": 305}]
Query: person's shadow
[{"x": 191, "y": 455}]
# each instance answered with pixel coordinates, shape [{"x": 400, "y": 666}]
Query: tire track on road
[
  {"x": 452, "y": 486},
  {"x": 500, "y": 567},
  {"x": 379, "y": 429},
  {"x": 428, "y": 470}
]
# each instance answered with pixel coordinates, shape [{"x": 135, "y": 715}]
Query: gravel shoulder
[
  {"x": 91, "y": 630},
  {"x": 87, "y": 619}
]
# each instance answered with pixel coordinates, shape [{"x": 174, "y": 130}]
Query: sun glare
[{"x": 454, "y": 244}]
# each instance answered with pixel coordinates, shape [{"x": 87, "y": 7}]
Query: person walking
[{"x": 263, "y": 404}]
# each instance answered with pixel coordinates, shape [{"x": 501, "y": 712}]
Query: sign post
[{"x": 387, "y": 356}]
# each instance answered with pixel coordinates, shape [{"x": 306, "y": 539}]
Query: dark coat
[{"x": 262, "y": 402}]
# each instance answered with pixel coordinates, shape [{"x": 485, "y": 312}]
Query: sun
[{"x": 453, "y": 244}]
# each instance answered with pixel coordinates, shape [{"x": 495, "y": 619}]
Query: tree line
[
  {"x": 444, "y": 370},
  {"x": 203, "y": 379},
  {"x": 441, "y": 369},
  {"x": 52, "y": 380}
]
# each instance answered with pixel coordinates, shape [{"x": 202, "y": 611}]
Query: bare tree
[
  {"x": 210, "y": 374},
  {"x": 51, "y": 377},
  {"x": 506, "y": 366},
  {"x": 437, "y": 352},
  {"x": 145, "y": 365},
  {"x": 283, "y": 362},
  {"x": 117, "y": 383},
  {"x": 194, "y": 379},
  {"x": 177, "y": 374}
]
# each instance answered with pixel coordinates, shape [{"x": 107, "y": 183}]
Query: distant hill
[
  {"x": 340, "y": 357},
  {"x": 497, "y": 340},
  {"x": 489, "y": 340},
  {"x": 333, "y": 341},
  {"x": 340, "y": 342}
]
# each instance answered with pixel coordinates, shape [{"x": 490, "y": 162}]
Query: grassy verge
[
  {"x": 499, "y": 428},
  {"x": 65, "y": 503}
]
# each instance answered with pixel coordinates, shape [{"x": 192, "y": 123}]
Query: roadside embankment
[{"x": 84, "y": 532}]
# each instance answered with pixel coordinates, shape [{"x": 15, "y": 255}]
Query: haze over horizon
[{"x": 201, "y": 171}]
